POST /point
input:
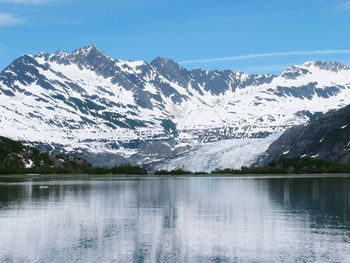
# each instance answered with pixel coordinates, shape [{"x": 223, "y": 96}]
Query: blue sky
[{"x": 193, "y": 30}]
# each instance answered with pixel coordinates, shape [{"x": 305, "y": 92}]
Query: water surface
[{"x": 176, "y": 220}]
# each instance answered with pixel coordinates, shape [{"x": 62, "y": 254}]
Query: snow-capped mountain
[{"x": 115, "y": 111}]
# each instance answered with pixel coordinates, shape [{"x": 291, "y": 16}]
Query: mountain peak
[
  {"x": 80, "y": 54},
  {"x": 88, "y": 56},
  {"x": 86, "y": 102},
  {"x": 85, "y": 48},
  {"x": 294, "y": 72},
  {"x": 326, "y": 65},
  {"x": 88, "y": 50},
  {"x": 170, "y": 69},
  {"x": 164, "y": 62}
]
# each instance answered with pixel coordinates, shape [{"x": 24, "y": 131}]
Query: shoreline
[{"x": 52, "y": 177}]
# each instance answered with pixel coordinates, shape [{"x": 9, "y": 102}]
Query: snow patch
[{"x": 28, "y": 163}]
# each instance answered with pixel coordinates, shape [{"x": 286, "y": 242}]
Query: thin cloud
[
  {"x": 10, "y": 19},
  {"x": 266, "y": 55}
]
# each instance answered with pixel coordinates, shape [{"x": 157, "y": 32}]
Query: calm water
[{"x": 176, "y": 220}]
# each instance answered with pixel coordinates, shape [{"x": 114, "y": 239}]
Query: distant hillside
[
  {"x": 16, "y": 158},
  {"x": 326, "y": 138}
]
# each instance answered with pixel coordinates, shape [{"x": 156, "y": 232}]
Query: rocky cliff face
[
  {"x": 112, "y": 111},
  {"x": 326, "y": 138}
]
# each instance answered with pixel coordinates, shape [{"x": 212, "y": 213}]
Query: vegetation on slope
[
  {"x": 122, "y": 169},
  {"x": 16, "y": 158},
  {"x": 173, "y": 172},
  {"x": 302, "y": 165},
  {"x": 292, "y": 166}
]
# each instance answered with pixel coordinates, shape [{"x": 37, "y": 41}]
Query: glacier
[
  {"x": 115, "y": 111},
  {"x": 231, "y": 153}
]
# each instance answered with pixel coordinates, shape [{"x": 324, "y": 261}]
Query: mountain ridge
[{"x": 86, "y": 102}]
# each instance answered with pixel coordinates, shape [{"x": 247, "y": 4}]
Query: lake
[{"x": 168, "y": 219}]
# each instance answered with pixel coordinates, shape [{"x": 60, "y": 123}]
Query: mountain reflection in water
[{"x": 176, "y": 220}]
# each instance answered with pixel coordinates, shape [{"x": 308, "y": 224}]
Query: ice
[{"x": 38, "y": 114}]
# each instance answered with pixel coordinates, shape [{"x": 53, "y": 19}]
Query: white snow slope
[
  {"x": 85, "y": 101},
  {"x": 232, "y": 153}
]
